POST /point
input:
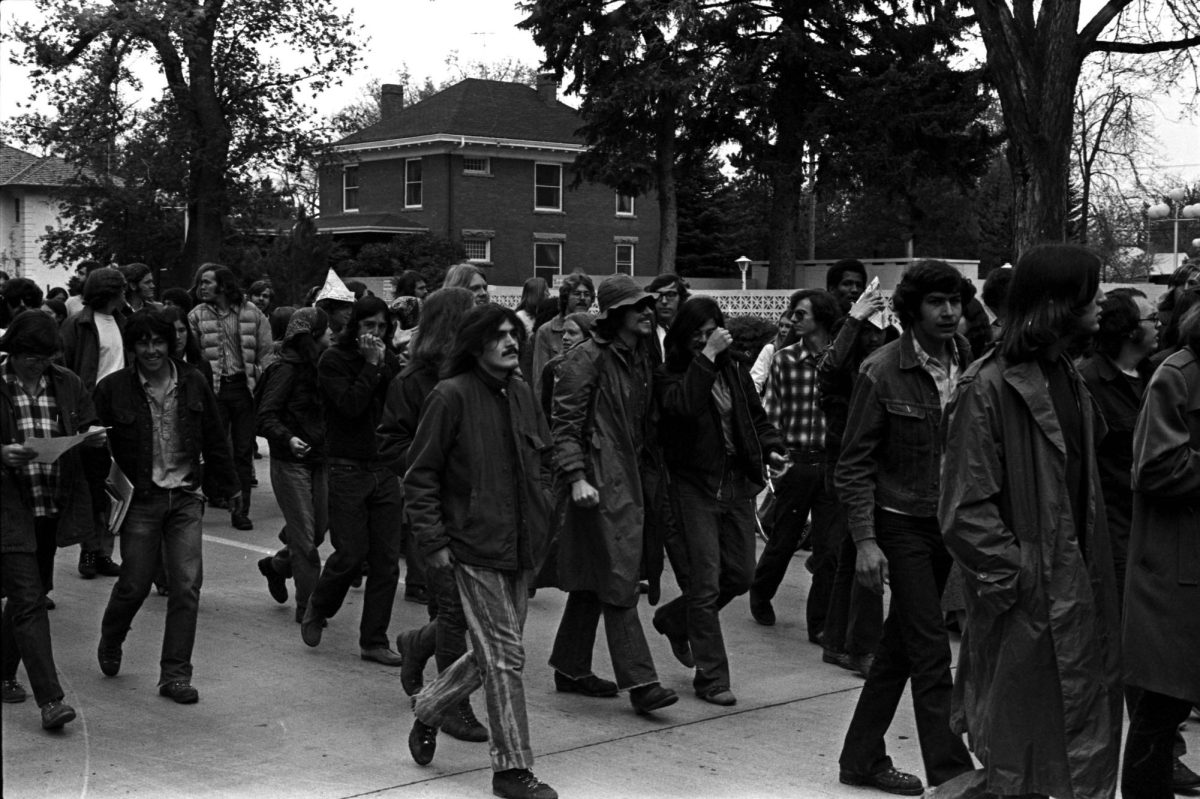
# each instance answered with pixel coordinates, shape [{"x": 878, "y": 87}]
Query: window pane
[
  {"x": 547, "y": 183},
  {"x": 412, "y": 182},
  {"x": 477, "y": 249},
  {"x": 548, "y": 256},
  {"x": 475, "y": 164},
  {"x": 350, "y": 188},
  {"x": 546, "y": 197},
  {"x": 625, "y": 205},
  {"x": 624, "y": 259}
]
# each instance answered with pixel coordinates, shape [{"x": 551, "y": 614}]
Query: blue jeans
[
  {"x": 302, "y": 490},
  {"x": 364, "y": 525},
  {"x": 495, "y": 604},
  {"x": 633, "y": 665},
  {"x": 719, "y": 535},
  {"x": 160, "y": 522},
  {"x": 25, "y": 627}
]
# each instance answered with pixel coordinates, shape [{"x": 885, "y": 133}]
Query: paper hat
[{"x": 334, "y": 289}]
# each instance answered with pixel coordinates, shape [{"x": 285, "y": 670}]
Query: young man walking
[
  {"x": 164, "y": 421},
  {"x": 888, "y": 477},
  {"x": 477, "y": 490},
  {"x": 1038, "y": 687}
]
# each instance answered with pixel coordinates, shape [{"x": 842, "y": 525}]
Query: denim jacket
[{"x": 891, "y": 453}]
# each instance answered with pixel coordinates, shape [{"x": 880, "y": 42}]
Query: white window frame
[
  {"x": 487, "y": 165},
  {"x": 557, "y": 188},
  {"x": 617, "y": 258},
  {"x": 538, "y": 271},
  {"x": 347, "y": 206},
  {"x": 631, "y": 211},
  {"x": 487, "y": 249},
  {"x": 419, "y": 183}
]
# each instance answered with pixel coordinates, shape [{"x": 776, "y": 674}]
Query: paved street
[{"x": 278, "y": 719}]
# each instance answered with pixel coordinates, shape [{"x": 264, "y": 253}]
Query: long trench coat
[
  {"x": 599, "y": 417},
  {"x": 1162, "y": 594},
  {"x": 1038, "y": 685}
]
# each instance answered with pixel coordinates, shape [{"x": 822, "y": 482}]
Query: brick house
[{"x": 489, "y": 164}]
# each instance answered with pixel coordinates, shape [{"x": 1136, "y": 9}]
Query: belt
[{"x": 357, "y": 463}]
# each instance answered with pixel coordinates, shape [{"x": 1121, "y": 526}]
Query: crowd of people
[{"x": 1021, "y": 468}]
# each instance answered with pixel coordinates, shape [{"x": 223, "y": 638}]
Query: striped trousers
[{"x": 494, "y": 603}]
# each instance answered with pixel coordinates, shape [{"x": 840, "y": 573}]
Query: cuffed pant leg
[{"x": 576, "y": 637}]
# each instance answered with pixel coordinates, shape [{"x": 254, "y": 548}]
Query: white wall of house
[{"x": 20, "y": 237}]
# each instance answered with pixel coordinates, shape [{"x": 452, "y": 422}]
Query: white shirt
[{"x": 112, "y": 349}]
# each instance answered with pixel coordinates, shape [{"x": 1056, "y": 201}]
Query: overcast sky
[{"x": 422, "y": 33}]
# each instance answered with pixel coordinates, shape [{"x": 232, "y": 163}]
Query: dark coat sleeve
[
  {"x": 1165, "y": 464},
  {"x": 219, "y": 470},
  {"x": 276, "y": 390},
  {"x": 769, "y": 437},
  {"x": 435, "y": 436},
  {"x": 690, "y": 393},
  {"x": 969, "y": 511},
  {"x": 858, "y": 463},
  {"x": 401, "y": 412},
  {"x": 573, "y": 390}
]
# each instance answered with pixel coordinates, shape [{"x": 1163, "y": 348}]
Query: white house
[{"x": 27, "y": 208}]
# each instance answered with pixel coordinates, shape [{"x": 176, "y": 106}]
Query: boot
[{"x": 239, "y": 514}]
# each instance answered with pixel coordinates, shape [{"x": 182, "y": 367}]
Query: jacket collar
[
  {"x": 910, "y": 360},
  {"x": 1027, "y": 380}
]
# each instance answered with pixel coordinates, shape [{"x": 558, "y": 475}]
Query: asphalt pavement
[{"x": 279, "y": 719}]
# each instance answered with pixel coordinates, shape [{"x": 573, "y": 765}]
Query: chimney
[
  {"x": 547, "y": 87},
  {"x": 391, "y": 100}
]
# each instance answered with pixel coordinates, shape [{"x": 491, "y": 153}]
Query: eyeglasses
[
  {"x": 582, "y": 295},
  {"x": 1153, "y": 319},
  {"x": 664, "y": 296}
]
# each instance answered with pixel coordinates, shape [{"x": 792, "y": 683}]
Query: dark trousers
[
  {"x": 1150, "y": 745},
  {"x": 854, "y": 622},
  {"x": 915, "y": 646},
  {"x": 25, "y": 625},
  {"x": 719, "y": 538},
  {"x": 160, "y": 522},
  {"x": 46, "y": 532},
  {"x": 572, "y": 654},
  {"x": 237, "y": 416},
  {"x": 364, "y": 525},
  {"x": 797, "y": 493}
]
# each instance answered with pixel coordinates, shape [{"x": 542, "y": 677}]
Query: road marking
[{"x": 216, "y": 539}]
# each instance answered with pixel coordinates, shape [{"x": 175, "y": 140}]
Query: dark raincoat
[
  {"x": 600, "y": 417},
  {"x": 1038, "y": 685},
  {"x": 1162, "y": 593}
]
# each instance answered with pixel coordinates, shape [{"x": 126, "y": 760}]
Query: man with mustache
[
  {"x": 477, "y": 492},
  {"x": 575, "y": 295}
]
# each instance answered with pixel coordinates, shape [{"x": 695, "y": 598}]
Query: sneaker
[
  {"x": 681, "y": 648},
  {"x": 651, "y": 697},
  {"x": 55, "y": 714},
  {"x": 87, "y": 565},
  {"x": 412, "y": 670},
  {"x": 463, "y": 725},
  {"x": 422, "y": 742},
  {"x": 591, "y": 685},
  {"x": 519, "y": 783},
  {"x": 107, "y": 567},
  {"x": 889, "y": 780},
  {"x": 311, "y": 627},
  {"x": 109, "y": 656},
  {"x": 181, "y": 691},
  {"x": 276, "y": 584},
  {"x": 13, "y": 692}
]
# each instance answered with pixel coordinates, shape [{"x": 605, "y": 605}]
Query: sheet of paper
[{"x": 51, "y": 449}]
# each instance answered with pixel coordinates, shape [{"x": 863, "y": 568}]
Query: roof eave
[{"x": 458, "y": 141}]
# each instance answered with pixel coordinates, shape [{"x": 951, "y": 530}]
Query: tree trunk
[
  {"x": 668, "y": 201},
  {"x": 1040, "y": 171},
  {"x": 785, "y": 212}
]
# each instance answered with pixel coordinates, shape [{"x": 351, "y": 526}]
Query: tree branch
[{"x": 1144, "y": 47}]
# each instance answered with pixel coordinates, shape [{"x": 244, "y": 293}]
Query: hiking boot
[
  {"x": 889, "y": 780},
  {"x": 422, "y": 742},
  {"x": 180, "y": 691},
  {"x": 109, "y": 656},
  {"x": 311, "y": 627},
  {"x": 463, "y": 725},
  {"x": 412, "y": 671},
  {"x": 519, "y": 783},
  {"x": 680, "y": 647},
  {"x": 87, "y": 565},
  {"x": 13, "y": 692},
  {"x": 106, "y": 566},
  {"x": 591, "y": 685},
  {"x": 55, "y": 714},
  {"x": 651, "y": 697}
]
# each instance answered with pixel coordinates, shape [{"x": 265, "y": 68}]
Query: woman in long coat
[
  {"x": 1162, "y": 595},
  {"x": 1038, "y": 686},
  {"x": 600, "y": 413}
]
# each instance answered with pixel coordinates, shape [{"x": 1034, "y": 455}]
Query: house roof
[
  {"x": 382, "y": 222},
  {"x": 481, "y": 108},
  {"x": 19, "y": 168}
]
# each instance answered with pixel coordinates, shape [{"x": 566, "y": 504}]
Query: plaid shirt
[
  {"x": 37, "y": 417},
  {"x": 790, "y": 398}
]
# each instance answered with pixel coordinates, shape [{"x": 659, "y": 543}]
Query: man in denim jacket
[{"x": 888, "y": 477}]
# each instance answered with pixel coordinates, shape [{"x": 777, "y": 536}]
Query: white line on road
[{"x": 216, "y": 539}]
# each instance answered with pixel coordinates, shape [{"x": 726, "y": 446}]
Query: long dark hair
[
  {"x": 191, "y": 349},
  {"x": 364, "y": 308},
  {"x": 227, "y": 282},
  {"x": 479, "y": 327},
  {"x": 532, "y": 292},
  {"x": 692, "y": 316},
  {"x": 1051, "y": 286},
  {"x": 441, "y": 316}
]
